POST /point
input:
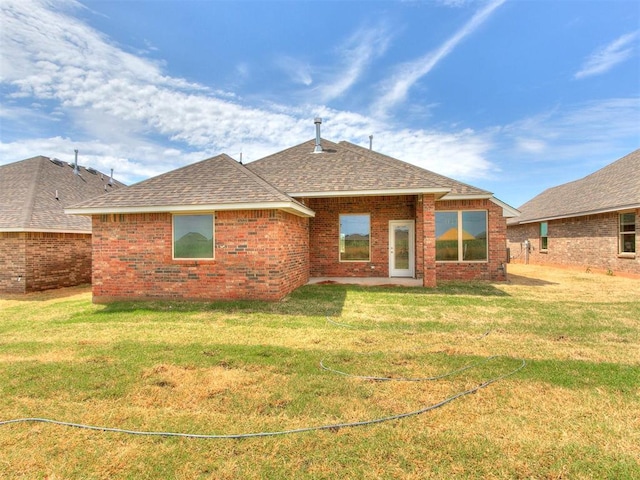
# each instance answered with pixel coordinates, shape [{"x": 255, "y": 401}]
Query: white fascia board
[
  {"x": 507, "y": 210},
  {"x": 290, "y": 207},
  {"x": 484, "y": 196},
  {"x": 439, "y": 192},
  {"x": 620, "y": 208},
  {"x": 43, "y": 230}
]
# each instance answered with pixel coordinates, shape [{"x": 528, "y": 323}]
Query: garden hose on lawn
[{"x": 331, "y": 427}]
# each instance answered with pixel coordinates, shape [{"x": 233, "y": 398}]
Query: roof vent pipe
[
  {"x": 111, "y": 178},
  {"x": 76, "y": 170},
  {"x": 370, "y": 142},
  {"x": 318, "y": 148}
]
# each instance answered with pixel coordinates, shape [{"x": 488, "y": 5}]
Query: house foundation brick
[
  {"x": 37, "y": 261},
  {"x": 588, "y": 242},
  {"x": 324, "y": 235},
  {"x": 495, "y": 268},
  {"x": 427, "y": 222},
  {"x": 259, "y": 254}
]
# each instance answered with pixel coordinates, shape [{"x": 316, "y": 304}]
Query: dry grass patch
[
  {"x": 552, "y": 284},
  {"x": 247, "y": 367}
]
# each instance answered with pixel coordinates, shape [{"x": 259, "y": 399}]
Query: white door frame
[{"x": 411, "y": 271}]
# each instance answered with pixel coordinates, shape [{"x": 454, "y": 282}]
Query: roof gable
[
  {"x": 344, "y": 169},
  {"x": 213, "y": 184},
  {"x": 28, "y": 191},
  {"x": 612, "y": 188}
]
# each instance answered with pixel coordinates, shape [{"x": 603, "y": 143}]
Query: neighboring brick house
[
  {"x": 218, "y": 229},
  {"x": 40, "y": 246},
  {"x": 592, "y": 223}
]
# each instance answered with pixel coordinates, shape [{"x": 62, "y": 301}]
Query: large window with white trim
[
  {"x": 461, "y": 236},
  {"x": 355, "y": 238},
  {"x": 627, "y": 233},
  {"x": 193, "y": 236}
]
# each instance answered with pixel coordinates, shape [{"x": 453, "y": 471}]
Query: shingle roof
[
  {"x": 347, "y": 168},
  {"x": 221, "y": 183},
  {"x": 612, "y": 188},
  {"x": 28, "y": 195},
  {"x": 216, "y": 183}
]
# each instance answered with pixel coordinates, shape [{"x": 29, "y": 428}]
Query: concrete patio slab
[{"x": 369, "y": 281}]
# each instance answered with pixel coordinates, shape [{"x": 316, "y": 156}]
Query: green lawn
[{"x": 240, "y": 368}]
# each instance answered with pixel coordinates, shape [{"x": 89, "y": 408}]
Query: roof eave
[
  {"x": 507, "y": 210},
  {"x": 438, "y": 192},
  {"x": 291, "y": 207},
  {"x": 44, "y": 230},
  {"x": 618, "y": 208}
]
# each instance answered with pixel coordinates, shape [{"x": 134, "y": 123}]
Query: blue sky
[{"x": 508, "y": 95}]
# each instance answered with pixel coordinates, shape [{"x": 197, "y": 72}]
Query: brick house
[
  {"x": 218, "y": 229},
  {"x": 40, "y": 246},
  {"x": 590, "y": 223}
]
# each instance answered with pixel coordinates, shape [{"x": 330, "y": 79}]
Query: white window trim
[
  {"x": 173, "y": 238},
  {"x": 340, "y": 260},
  {"x": 621, "y": 253},
  {"x": 545, "y": 249},
  {"x": 460, "y": 242}
]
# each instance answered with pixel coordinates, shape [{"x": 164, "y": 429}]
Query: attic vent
[
  {"x": 58, "y": 162},
  {"x": 92, "y": 170}
]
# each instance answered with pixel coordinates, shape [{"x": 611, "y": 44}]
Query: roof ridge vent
[{"x": 318, "y": 147}]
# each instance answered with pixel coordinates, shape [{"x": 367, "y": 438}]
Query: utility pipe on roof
[
  {"x": 318, "y": 148},
  {"x": 76, "y": 170}
]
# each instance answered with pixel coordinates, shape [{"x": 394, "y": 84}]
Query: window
[
  {"x": 461, "y": 236},
  {"x": 627, "y": 233},
  {"x": 193, "y": 236},
  {"x": 544, "y": 227},
  {"x": 355, "y": 239}
]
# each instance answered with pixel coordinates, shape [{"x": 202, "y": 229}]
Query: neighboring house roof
[
  {"x": 613, "y": 188},
  {"x": 28, "y": 200},
  {"x": 345, "y": 169},
  {"x": 218, "y": 183}
]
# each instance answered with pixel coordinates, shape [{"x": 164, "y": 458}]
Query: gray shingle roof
[
  {"x": 216, "y": 182},
  {"x": 272, "y": 182},
  {"x": 28, "y": 195},
  {"x": 345, "y": 167},
  {"x": 612, "y": 188}
]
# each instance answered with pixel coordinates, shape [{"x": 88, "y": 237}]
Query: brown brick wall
[
  {"x": 42, "y": 261},
  {"x": 324, "y": 237},
  {"x": 12, "y": 262},
  {"x": 495, "y": 268},
  {"x": 325, "y": 232},
  {"x": 586, "y": 242},
  {"x": 426, "y": 239},
  {"x": 259, "y": 254}
]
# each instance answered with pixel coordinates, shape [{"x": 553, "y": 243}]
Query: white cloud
[
  {"x": 299, "y": 71},
  {"x": 242, "y": 71},
  {"x": 575, "y": 131},
  {"x": 531, "y": 145},
  {"x": 607, "y": 57},
  {"x": 397, "y": 88},
  {"x": 126, "y": 113},
  {"x": 364, "y": 46}
]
